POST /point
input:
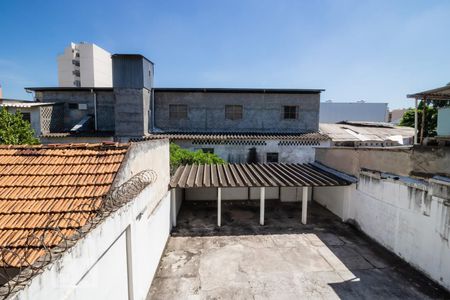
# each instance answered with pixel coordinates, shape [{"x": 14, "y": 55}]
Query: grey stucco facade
[
  {"x": 132, "y": 112},
  {"x": 261, "y": 111},
  {"x": 104, "y": 98}
]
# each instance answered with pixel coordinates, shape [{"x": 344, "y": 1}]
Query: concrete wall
[
  {"x": 333, "y": 112},
  {"x": 119, "y": 257},
  {"x": 335, "y": 199},
  {"x": 75, "y": 139},
  {"x": 105, "y": 106},
  {"x": 132, "y": 71},
  {"x": 262, "y": 112},
  {"x": 410, "y": 218},
  {"x": 419, "y": 160},
  {"x": 132, "y": 112},
  {"x": 443, "y": 122},
  {"x": 237, "y": 151}
]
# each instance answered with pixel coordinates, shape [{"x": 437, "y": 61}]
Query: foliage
[
  {"x": 180, "y": 156},
  {"x": 430, "y": 119},
  {"x": 14, "y": 130}
]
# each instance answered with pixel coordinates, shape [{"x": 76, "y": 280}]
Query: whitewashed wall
[
  {"x": 409, "y": 219},
  {"x": 97, "y": 267},
  {"x": 285, "y": 194},
  {"x": 239, "y": 153},
  {"x": 118, "y": 258}
]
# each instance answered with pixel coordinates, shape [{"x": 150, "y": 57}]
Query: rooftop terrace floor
[{"x": 284, "y": 259}]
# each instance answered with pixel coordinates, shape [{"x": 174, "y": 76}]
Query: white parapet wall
[
  {"x": 117, "y": 259},
  {"x": 408, "y": 217}
]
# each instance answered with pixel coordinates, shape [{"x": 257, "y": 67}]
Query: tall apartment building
[{"x": 84, "y": 65}]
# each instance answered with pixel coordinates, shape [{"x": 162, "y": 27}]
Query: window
[
  {"x": 272, "y": 157},
  {"x": 177, "y": 111},
  {"x": 233, "y": 112},
  {"x": 73, "y": 105},
  {"x": 26, "y": 116},
  {"x": 208, "y": 150},
  {"x": 290, "y": 112}
]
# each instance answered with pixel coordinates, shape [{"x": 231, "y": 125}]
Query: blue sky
[{"x": 377, "y": 51}]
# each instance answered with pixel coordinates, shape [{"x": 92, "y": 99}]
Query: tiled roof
[
  {"x": 311, "y": 136},
  {"x": 48, "y": 187}
]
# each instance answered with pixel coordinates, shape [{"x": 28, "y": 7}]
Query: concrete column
[
  {"x": 262, "y": 194},
  {"x": 219, "y": 206},
  {"x": 173, "y": 200},
  {"x": 305, "y": 204}
]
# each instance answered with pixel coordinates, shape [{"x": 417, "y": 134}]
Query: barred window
[
  {"x": 272, "y": 157},
  {"x": 177, "y": 111},
  {"x": 290, "y": 112},
  {"x": 233, "y": 112}
]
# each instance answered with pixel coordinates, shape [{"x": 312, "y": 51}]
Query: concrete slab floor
[{"x": 284, "y": 259}]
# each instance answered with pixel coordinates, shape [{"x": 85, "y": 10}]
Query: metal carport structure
[{"x": 260, "y": 175}]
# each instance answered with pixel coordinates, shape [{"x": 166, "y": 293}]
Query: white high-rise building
[{"x": 84, "y": 65}]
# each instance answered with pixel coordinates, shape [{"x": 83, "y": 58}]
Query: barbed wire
[{"x": 27, "y": 256}]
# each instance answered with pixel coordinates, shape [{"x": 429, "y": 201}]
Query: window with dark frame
[
  {"x": 26, "y": 116},
  {"x": 290, "y": 112},
  {"x": 233, "y": 112},
  {"x": 73, "y": 105},
  {"x": 208, "y": 150},
  {"x": 272, "y": 157},
  {"x": 177, "y": 111}
]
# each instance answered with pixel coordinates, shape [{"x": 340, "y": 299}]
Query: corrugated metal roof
[
  {"x": 352, "y": 132},
  {"x": 312, "y": 136},
  {"x": 26, "y": 104},
  {"x": 254, "y": 175},
  {"x": 441, "y": 93}
]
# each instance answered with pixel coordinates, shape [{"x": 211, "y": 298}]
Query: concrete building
[
  {"x": 273, "y": 125},
  {"x": 271, "y": 122},
  {"x": 396, "y": 115},
  {"x": 334, "y": 112},
  {"x": 236, "y": 110},
  {"x": 84, "y": 65}
]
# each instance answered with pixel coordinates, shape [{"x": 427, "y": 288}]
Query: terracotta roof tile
[{"x": 48, "y": 187}]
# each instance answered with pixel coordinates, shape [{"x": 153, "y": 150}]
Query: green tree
[
  {"x": 14, "y": 130},
  {"x": 430, "y": 117},
  {"x": 180, "y": 156}
]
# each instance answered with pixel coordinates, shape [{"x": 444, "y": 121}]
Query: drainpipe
[
  {"x": 152, "y": 112},
  {"x": 415, "y": 123},
  {"x": 152, "y": 101},
  {"x": 95, "y": 109}
]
